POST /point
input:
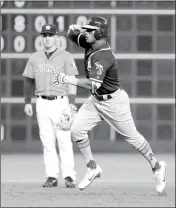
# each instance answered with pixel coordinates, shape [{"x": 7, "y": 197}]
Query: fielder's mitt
[{"x": 67, "y": 117}]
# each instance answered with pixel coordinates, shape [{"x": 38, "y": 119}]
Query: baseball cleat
[
  {"x": 69, "y": 182},
  {"x": 160, "y": 176},
  {"x": 50, "y": 182},
  {"x": 90, "y": 176}
]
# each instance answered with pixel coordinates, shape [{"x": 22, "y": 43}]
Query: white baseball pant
[
  {"x": 116, "y": 112},
  {"x": 48, "y": 113}
]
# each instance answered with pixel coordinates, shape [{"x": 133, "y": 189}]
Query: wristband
[
  {"x": 70, "y": 80},
  {"x": 27, "y": 100}
]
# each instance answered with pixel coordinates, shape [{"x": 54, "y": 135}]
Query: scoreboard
[
  {"x": 131, "y": 30},
  {"x": 21, "y": 26},
  {"x": 141, "y": 34}
]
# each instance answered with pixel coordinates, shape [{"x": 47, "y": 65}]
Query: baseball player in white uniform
[
  {"x": 51, "y": 100},
  {"x": 108, "y": 101}
]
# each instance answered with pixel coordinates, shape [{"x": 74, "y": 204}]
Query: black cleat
[
  {"x": 50, "y": 182},
  {"x": 69, "y": 182}
]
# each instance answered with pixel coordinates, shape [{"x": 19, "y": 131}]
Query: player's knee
[
  {"x": 76, "y": 133},
  {"x": 80, "y": 137}
]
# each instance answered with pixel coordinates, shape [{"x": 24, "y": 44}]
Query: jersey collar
[{"x": 102, "y": 46}]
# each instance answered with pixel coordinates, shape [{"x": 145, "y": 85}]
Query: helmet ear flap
[{"x": 98, "y": 34}]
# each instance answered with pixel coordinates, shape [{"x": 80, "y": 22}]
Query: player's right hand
[{"x": 28, "y": 109}]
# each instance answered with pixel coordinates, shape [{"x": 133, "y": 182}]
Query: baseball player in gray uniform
[
  {"x": 51, "y": 100},
  {"x": 108, "y": 101}
]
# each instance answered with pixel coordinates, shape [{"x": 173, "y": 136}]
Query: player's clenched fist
[
  {"x": 28, "y": 109},
  {"x": 75, "y": 27}
]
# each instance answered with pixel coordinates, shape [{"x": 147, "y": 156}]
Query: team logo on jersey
[
  {"x": 47, "y": 68},
  {"x": 99, "y": 68}
]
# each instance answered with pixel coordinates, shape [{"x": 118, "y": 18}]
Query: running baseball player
[
  {"x": 51, "y": 101},
  {"x": 108, "y": 101}
]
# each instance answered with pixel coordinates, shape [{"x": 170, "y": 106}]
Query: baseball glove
[{"x": 67, "y": 117}]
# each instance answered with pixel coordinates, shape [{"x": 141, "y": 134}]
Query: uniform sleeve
[
  {"x": 99, "y": 67},
  {"x": 78, "y": 38},
  {"x": 28, "y": 89},
  {"x": 81, "y": 41},
  {"x": 29, "y": 71},
  {"x": 70, "y": 67}
]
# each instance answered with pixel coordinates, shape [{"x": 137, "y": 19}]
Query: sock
[
  {"x": 146, "y": 151},
  {"x": 87, "y": 153},
  {"x": 91, "y": 164},
  {"x": 85, "y": 149},
  {"x": 157, "y": 167},
  {"x": 150, "y": 157}
]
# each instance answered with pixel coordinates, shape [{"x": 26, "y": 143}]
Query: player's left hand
[{"x": 28, "y": 109}]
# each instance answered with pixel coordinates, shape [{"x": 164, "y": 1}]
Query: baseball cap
[{"x": 48, "y": 28}]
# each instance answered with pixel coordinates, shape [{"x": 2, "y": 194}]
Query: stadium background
[{"x": 142, "y": 36}]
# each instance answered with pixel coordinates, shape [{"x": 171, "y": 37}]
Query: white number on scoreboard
[
  {"x": 2, "y": 132},
  {"x": 61, "y": 42},
  {"x": 19, "y": 44},
  {"x": 2, "y": 43},
  {"x": 60, "y": 22},
  {"x": 2, "y": 2},
  {"x": 81, "y": 20},
  {"x": 19, "y": 25},
  {"x": 38, "y": 43},
  {"x": 19, "y": 3},
  {"x": 39, "y": 22}
]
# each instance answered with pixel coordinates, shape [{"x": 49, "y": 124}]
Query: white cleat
[
  {"x": 160, "y": 176},
  {"x": 91, "y": 175}
]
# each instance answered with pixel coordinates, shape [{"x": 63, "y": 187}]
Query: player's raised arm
[{"x": 76, "y": 34}]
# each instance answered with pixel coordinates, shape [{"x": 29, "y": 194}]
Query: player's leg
[
  {"x": 47, "y": 136},
  {"x": 64, "y": 141},
  {"x": 86, "y": 118},
  {"x": 121, "y": 119},
  {"x": 66, "y": 157}
]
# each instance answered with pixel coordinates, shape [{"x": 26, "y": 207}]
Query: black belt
[
  {"x": 103, "y": 97},
  {"x": 49, "y": 97}
]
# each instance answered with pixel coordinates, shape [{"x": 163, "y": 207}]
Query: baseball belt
[{"x": 49, "y": 97}]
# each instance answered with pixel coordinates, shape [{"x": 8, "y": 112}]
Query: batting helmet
[{"x": 100, "y": 25}]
